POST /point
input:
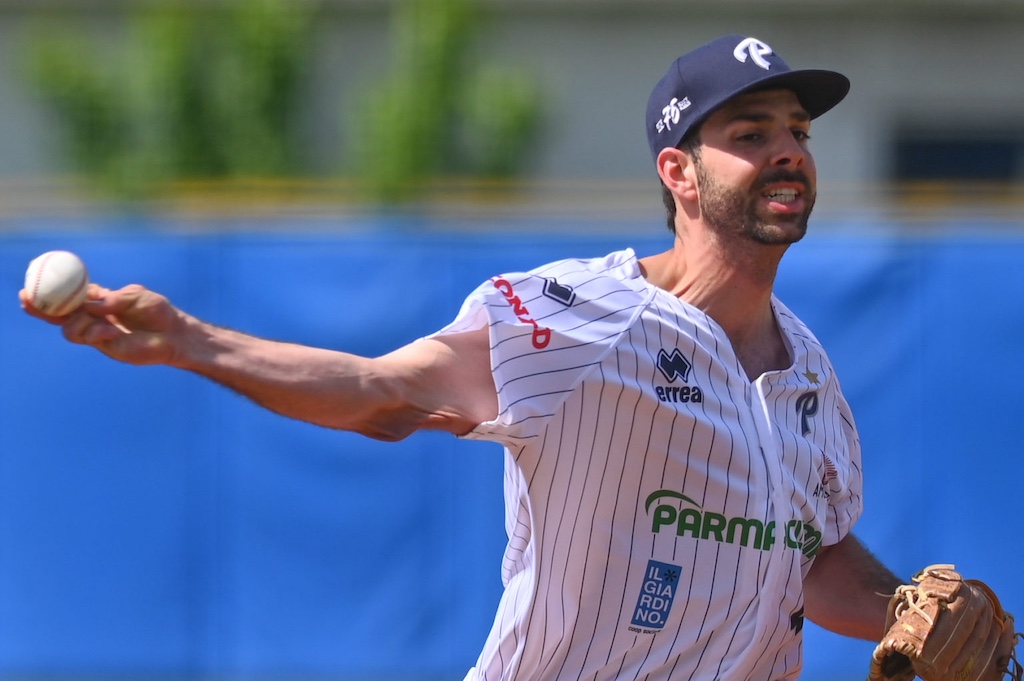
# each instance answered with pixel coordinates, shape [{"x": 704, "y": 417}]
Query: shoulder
[
  {"x": 792, "y": 324},
  {"x": 808, "y": 352},
  {"x": 548, "y": 328},
  {"x": 799, "y": 335},
  {"x": 561, "y": 295},
  {"x": 560, "y": 279},
  {"x": 602, "y": 295}
]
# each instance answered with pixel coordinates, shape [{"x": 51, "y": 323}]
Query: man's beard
[{"x": 733, "y": 212}]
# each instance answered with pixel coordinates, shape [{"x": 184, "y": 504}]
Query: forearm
[
  {"x": 847, "y": 590},
  {"x": 442, "y": 383},
  {"x": 324, "y": 387}
]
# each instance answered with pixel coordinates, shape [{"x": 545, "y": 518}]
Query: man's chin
[{"x": 780, "y": 233}]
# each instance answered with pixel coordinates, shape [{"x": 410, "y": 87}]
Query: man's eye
[{"x": 802, "y": 135}]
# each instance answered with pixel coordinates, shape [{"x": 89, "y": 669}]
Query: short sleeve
[
  {"x": 548, "y": 329},
  {"x": 847, "y": 505}
]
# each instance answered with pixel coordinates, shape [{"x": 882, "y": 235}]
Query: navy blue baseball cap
[{"x": 702, "y": 80}]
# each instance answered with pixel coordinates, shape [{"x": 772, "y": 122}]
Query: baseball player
[{"x": 682, "y": 469}]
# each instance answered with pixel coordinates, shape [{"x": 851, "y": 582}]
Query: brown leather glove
[{"x": 945, "y": 628}]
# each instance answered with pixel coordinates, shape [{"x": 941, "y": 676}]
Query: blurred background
[{"x": 342, "y": 173}]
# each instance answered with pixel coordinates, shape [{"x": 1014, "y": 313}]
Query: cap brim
[{"x": 817, "y": 90}]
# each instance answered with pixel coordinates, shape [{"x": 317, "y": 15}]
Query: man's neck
[{"x": 734, "y": 287}]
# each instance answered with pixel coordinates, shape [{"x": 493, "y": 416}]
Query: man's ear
[{"x": 678, "y": 172}]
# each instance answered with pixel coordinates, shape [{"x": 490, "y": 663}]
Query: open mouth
[{"x": 781, "y": 195}]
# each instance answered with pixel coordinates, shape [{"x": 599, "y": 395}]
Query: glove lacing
[
  {"x": 910, "y": 595},
  {"x": 1013, "y": 668}
]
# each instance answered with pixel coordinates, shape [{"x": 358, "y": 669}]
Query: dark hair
[{"x": 691, "y": 145}]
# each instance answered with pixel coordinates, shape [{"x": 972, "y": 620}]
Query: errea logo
[
  {"x": 672, "y": 366},
  {"x": 755, "y": 50}
]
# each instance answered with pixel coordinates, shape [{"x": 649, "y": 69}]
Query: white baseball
[{"x": 56, "y": 282}]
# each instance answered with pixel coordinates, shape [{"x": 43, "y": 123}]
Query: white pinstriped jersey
[{"x": 662, "y": 509}]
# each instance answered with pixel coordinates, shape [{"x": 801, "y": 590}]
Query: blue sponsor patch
[{"x": 661, "y": 581}]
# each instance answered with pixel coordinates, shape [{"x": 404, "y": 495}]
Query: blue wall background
[{"x": 154, "y": 524}]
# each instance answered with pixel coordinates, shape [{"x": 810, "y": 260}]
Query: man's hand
[{"x": 132, "y": 324}]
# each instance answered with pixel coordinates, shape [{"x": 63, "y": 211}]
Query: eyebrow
[{"x": 748, "y": 116}]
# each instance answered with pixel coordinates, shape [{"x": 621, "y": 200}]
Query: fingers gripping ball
[
  {"x": 945, "y": 628},
  {"x": 56, "y": 282}
]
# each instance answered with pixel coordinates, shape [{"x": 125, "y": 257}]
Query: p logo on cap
[{"x": 755, "y": 49}]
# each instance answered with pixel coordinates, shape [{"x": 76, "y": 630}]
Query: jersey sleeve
[
  {"x": 826, "y": 425},
  {"x": 548, "y": 328},
  {"x": 846, "y": 506}
]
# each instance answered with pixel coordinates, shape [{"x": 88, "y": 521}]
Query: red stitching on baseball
[
  {"x": 39, "y": 272},
  {"x": 71, "y": 296}
]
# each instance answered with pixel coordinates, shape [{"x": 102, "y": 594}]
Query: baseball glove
[{"x": 946, "y": 628}]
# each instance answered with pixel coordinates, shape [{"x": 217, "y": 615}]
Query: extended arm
[
  {"x": 847, "y": 590},
  {"x": 443, "y": 384}
]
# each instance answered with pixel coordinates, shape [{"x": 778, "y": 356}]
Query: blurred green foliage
[
  {"x": 193, "y": 94},
  {"x": 200, "y": 91},
  {"x": 441, "y": 111}
]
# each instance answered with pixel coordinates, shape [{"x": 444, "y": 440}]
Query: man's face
[{"x": 756, "y": 178}]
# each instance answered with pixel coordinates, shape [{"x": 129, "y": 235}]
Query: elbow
[
  {"x": 385, "y": 433},
  {"x": 389, "y": 425}
]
